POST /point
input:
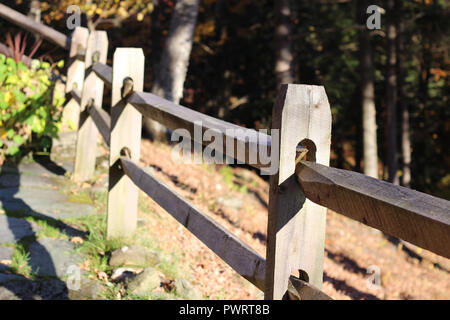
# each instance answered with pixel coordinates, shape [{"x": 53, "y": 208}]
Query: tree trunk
[
  {"x": 369, "y": 120},
  {"x": 391, "y": 96},
  {"x": 284, "y": 70},
  {"x": 174, "y": 61},
  {"x": 402, "y": 105}
]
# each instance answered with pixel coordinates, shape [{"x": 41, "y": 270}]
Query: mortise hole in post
[
  {"x": 125, "y": 152},
  {"x": 310, "y": 145},
  {"x": 90, "y": 103},
  {"x": 95, "y": 56},
  {"x": 127, "y": 87},
  {"x": 303, "y": 275}
]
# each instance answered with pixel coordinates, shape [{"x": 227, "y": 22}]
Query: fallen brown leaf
[
  {"x": 85, "y": 265},
  {"x": 77, "y": 240},
  {"x": 102, "y": 276}
]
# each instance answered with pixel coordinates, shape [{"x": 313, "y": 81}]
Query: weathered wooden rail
[{"x": 300, "y": 190}]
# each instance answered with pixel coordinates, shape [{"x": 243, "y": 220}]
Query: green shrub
[{"x": 29, "y": 107}]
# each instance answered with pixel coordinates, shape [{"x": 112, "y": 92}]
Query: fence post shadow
[{"x": 16, "y": 210}]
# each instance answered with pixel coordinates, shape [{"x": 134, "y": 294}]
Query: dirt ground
[{"x": 237, "y": 198}]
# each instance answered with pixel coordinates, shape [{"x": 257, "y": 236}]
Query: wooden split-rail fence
[{"x": 300, "y": 191}]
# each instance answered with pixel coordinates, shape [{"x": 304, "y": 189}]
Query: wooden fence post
[
  {"x": 92, "y": 96},
  {"x": 296, "y": 226},
  {"x": 126, "y": 123},
  {"x": 75, "y": 75}
]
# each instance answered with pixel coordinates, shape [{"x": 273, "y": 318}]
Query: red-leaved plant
[{"x": 17, "y": 48}]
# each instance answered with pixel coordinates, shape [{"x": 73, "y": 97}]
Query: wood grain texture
[
  {"x": 296, "y": 226},
  {"x": 126, "y": 124},
  {"x": 102, "y": 120},
  {"x": 104, "y": 72},
  {"x": 86, "y": 151},
  {"x": 175, "y": 117},
  {"x": 413, "y": 216},
  {"x": 242, "y": 258},
  {"x": 76, "y": 66},
  {"x": 75, "y": 76},
  {"x": 29, "y": 24}
]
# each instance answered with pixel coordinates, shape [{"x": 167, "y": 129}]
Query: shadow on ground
[{"x": 45, "y": 282}]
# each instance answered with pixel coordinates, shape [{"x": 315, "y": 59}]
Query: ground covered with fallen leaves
[{"x": 237, "y": 198}]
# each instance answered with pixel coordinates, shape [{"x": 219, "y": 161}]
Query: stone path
[{"x": 36, "y": 189}]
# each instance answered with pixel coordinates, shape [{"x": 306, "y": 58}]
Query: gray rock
[
  {"x": 52, "y": 257},
  {"x": 65, "y": 144},
  {"x": 5, "y": 254},
  {"x": 123, "y": 274},
  {"x": 145, "y": 282},
  {"x": 89, "y": 290},
  {"x": 186, "y": 290},
  {"x": 29, "y": 181},
  {"x": 34, "y": 168},
  {"x": 133, "y": 256},
  {"x": 9, "y": 180},
  {"x": 14, "y": 287},
  {"x": 230, "y": 202},
  {"x": 13, "y": 229},
  {"x": 46, "y": 203},
  {"x": 161, "y": 296},
  {"x": 34, "y": 290},
  {"x": 9, "y": 277}
]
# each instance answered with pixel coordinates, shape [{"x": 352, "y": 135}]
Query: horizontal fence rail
[
  {"x": 413, "y": 216},
  {"x": 28, "y": 24},
  {"x": 243, "y": 259},
  {"x": 175, "y": 117},
  {"x": 301, "y": 114},
  {"x": 102, "y": 120},
  {"x": 398, "y": 211},
  {"x": 104, "y": 72},
  {"x": 76, "y": 94}
]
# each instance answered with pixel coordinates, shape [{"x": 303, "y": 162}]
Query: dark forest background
[{"x": 232, "y": 72}]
